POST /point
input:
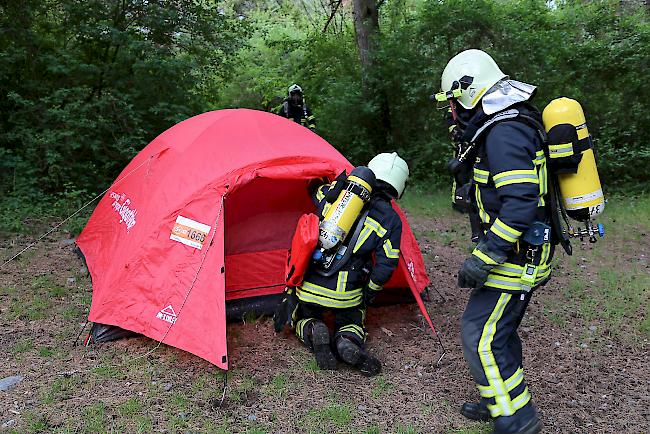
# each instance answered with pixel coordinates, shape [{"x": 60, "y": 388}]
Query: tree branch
[{"x": 334, "y": 10}]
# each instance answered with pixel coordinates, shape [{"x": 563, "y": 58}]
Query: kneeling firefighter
[
  {"x": 505, "y": 153},
  {"x": 357, "y": 222}
]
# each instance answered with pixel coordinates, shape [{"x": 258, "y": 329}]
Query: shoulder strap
[
  {"x": 352, "y": 240},
  {"x": 510, "y": 115}
]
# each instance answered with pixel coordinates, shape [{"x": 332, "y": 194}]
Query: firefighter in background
[
  {"x": 294, "y": 107},
  {"x": 508, "y": 164},
  {"x": 347, "y": 292}
]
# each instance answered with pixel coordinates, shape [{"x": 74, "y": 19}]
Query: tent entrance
[{"x": 260, "y": 219}]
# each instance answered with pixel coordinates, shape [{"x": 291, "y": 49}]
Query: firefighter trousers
[{"x": 493, "y": 351}]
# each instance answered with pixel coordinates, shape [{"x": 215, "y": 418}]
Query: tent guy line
[{"x": 56, "y": 227}]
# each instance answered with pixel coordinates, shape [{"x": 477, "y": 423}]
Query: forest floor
[{"x": 586, "y": 350}]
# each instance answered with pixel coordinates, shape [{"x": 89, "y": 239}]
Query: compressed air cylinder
[
  {"x": 568, "y": 137},
  {"x": 346, "y": 208}
]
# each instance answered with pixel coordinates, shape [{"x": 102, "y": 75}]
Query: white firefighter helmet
[
  {"x": 294, "y": 88},
  {"x": 391, "y": 168},
  {"x": 474, "y": 72}
]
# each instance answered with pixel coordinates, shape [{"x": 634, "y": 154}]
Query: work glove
[
  {"x": 369, "y": 294},
  {"x": 283, "y": 315},
  {"x": 475, "y": 270}
]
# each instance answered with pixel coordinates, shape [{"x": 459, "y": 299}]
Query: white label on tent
[
  {"x": 167, "y": 314},
  {"x": 189, "y": 232}
]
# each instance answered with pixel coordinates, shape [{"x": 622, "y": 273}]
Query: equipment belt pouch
[
  {"x": 538, "y": 234},
  {"x": 529, "y": 276}
]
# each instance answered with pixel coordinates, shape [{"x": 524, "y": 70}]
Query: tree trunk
[{"x": 366, "y": 26}]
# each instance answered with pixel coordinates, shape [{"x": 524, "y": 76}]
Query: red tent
[{"x": 204, "y": 214}]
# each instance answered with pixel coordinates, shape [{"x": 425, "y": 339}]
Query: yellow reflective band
[
  {"x": 485, "y": 391},
  {"x": 515, "y": 405},
  {"x": 390, "y": 252},
  {"x": 540, "y": 156},
  {"x": 481, "y": 176},
  {"x": 310, "y": 118},
  {"x": 485, "y": 217},
  {"x": 515, "y": 380},
  {"x": 504, "y": 282},
  {"x": 300, "y": 327},
  {"x": 511, "y": 383},
  {"x": 509, "y": 269},
  {"x": 372, "y": 285},
  {"x": 327, "y": 302},
  {"x": 478, "y": 96},
  {"x": 515, "y": 177},
  {"x": 543, "y": 183},
  {"x": 488, "y": 362},
  {"x": 453, "y": 191},
  {"x": 322, "y": 291},
  {"x": 561, "y": 150},
  {"x": 504, "y": 231},
  {"x": 342, "y": 281},
  {"x": 353, "y": 328},
  {"x": 365, "y": 233},
  {"x": 374, "y": 224},
  {"x": 326, "y": 208},
  {"x": 508, "y": 283},
  {"x": 369, "y": 225},
  {"x": 319, "y": 193},
  {"x": 482, "y": 256}
]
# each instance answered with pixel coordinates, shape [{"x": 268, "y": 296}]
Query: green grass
[
  {"x": 45, "y": 351},
  {"x": 428, "y": 204},
  {"x": 478, "y": 428},
  {"x": 36, "y": 423},
  {"x": 278, "y": 386},
  {"x": 335, "y": 414},
  {"x": 22, "y": 346},
  {"x": 94, "y": 418},
  {"x": 130, "y": 408},
  {"x": 381, "y": 387},
  {"x": 62, "y": 388},
  {"x": 406, "y": 430}
]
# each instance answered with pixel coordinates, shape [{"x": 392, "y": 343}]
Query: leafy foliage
[{"x": 84, "y": 85}]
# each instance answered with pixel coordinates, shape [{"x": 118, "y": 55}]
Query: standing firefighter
[
  {"x": 512, "y": 257},
  {"x": 357, "y": 222},
  {"x": 294, "y": 107}
]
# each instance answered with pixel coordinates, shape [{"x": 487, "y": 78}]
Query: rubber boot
[
  {"x": 320, "y": 341},
  {"x": 354, "y": 355},
  {"x": 475, "y": 411}
]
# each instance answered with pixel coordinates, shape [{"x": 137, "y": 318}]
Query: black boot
[
  {"x": 475, "y": 411},
  {"x": 533, "y": 426},
  {"x": 354, "y": 355},
  {"x": 320, "y": 341}
]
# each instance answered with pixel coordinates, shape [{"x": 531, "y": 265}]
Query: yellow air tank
[
  {"x": 568, "y": 137},
  {"x": 345, "y": 210}
]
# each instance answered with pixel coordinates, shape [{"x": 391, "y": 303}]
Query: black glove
[
  {"x": 369, "y": 295},
  {"x": 283, "y": 315},
  {"x": 474, "y": 271}
]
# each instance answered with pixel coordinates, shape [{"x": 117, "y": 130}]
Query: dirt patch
[{"x": 585, "y": 375}]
